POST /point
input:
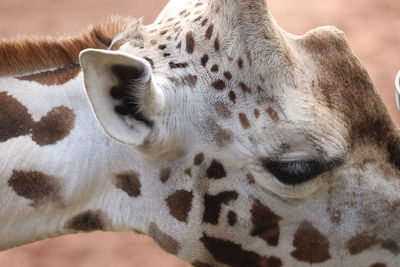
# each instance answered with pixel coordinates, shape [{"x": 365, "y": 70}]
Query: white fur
[{"x": 187, "y": 124}]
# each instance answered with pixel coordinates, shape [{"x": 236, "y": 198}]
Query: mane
[{"x": 29, "y": 54}]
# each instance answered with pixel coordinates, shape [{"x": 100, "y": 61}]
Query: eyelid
[
  {"x": 296, "y": 156},
  {"x": 296, "y": 172},
  {"x": 308, "y": 154},
  {"x": 326, "y": 163}
]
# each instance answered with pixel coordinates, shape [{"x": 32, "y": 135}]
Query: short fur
[
  {"x": 225, "y": 90},
  {"x": 39, "y": 53}
]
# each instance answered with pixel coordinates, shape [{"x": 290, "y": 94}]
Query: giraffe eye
[{"x": 294, "y": 172}]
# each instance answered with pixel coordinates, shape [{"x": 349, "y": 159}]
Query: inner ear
[
  {"x": 128, "y": 91},
  {"x": 123, "y": 95}
]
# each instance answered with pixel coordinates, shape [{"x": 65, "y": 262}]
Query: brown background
[{"x": 373, "y": 30}]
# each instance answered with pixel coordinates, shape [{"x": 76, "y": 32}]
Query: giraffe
[{"x": 226, "y": 139}]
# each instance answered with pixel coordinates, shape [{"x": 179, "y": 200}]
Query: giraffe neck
[{"x": 67, "y": 176}]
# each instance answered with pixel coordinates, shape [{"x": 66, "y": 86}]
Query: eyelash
[{"x": 294, "y": 172}]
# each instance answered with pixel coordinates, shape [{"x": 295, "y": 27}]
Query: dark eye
[{"x": 294, "y": 172}]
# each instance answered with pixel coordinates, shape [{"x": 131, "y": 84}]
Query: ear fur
[{"x": 118, "y": 85}]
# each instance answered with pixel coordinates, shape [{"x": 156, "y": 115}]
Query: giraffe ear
[{"x": 124, "y": 99}]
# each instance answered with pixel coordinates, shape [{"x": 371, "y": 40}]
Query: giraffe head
[{"x": 276, "y": 149}]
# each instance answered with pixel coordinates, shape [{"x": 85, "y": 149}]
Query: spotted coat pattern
[{"x": 236, "y": 92}]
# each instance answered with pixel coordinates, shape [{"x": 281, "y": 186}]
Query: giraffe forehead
[
  {"x": 196, "y": 32},
  {"x": 200, "y": 60}
]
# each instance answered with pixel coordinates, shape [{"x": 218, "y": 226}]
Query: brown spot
[
  {"x": 228, "y": 75},
  {"x": 213, "y": 205},
  {"x": 232, "y": 96},
  {"x": 391, "y": 246},
  {"x": 223, "y": 137},
  {"x": 87, "y": 221},
  {"x": 232, "y": 254},
  {"x": 179, "y": 45},
  {"x": 35, "y": 186},
  {"x": 361, "y": 242},
  {"x": 188, "y": 171},
  {"x": 198, "y": 159},
  {"x": 150, "y": 61},
  {"x": 209, "y": 31},
  {"x": 244, "y": 88},
  {"x": 165, "y": 174},
  {"x": 190, "y": 80},
  {"x": 256, "y": 113},
  {"x": 273, "y": 114},
  {"x": 15, "y": 119},
  {"x": 204, "y": 22},
  {"x": 249, "y": 59},
  {"x": 190, "y": 43},
  {"x": 53, "y": 127},
  {"x": 204, "y": 60},
  {"x": 364, "y": 241},
  {"x": 166, "y": 242},
  {"x": 129, "y": 183},
  {"x": 265, "y": 223},
  {"x": 378, "y": 265},
  {"x": 180, "y": 204},
  {"x": 240, "y": 63},
  {"x": 153, "y": 42},
  {"x": 216, "y": 170},
  {"x": 222, "y": 110},
  {"x": 311, "y": 246},
  {"x": 162, "y": 47},
  {"x": 175, "y": 65},
  {"x": 244, "y": 121},
  {"x": 163, "y": 32},
  {"x": 216, "y": 44},
  {"x": 250, "y": 178},
  {"x": 232, "y": 218},
  {"x": 197, "y": 19},
  {"x": 54, "y": 77},
  {"x": 214, "y": 68},
  {"x": 219, "y": 85},
  {"x": 175, "y": 81}
]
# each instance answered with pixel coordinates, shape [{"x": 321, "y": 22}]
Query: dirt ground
[{"x": 372, "y": 28}]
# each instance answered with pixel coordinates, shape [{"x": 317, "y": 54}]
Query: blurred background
[{"x": 371, "y": 26}]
